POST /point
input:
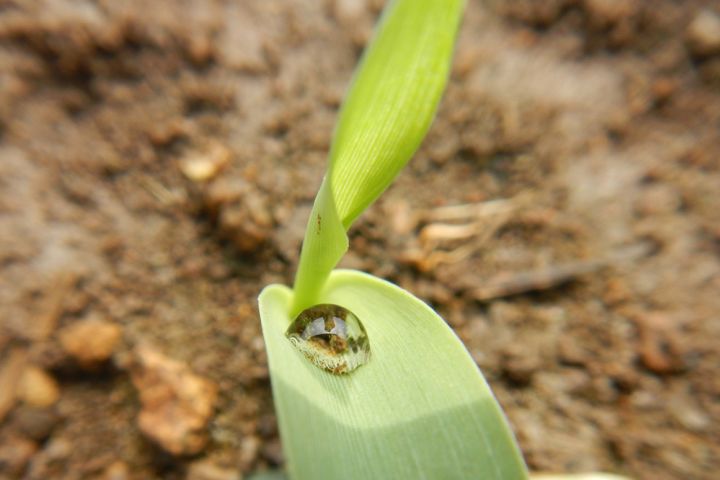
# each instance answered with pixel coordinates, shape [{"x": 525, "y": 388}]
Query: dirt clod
[
  {"x": 11, "y": 373},
  {"x": 37, "y": 388},
  {"x": 204, "y": 470},
  {"x": 176, "y": 403},
  {"x": 117, "y": 470},
  {"x": 90, "y": 342},
  {"x": 519, "y": 365},
  {"x": 703, "y": 33},
  {"x": 241, "y": 213},
  {"x": 35, "y": 422},
  {"x": 610, "y": 11},
  {"x": 45, "y": 463},
  {"x": 659, "y": 344},
  {"x": 15, "y": 453}
]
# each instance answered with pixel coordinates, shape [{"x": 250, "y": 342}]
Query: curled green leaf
[
  {"x": 386, "y": 113},
  {"x": 392, "y": 100}
]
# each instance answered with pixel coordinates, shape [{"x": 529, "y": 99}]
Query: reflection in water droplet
[{"x": 331, "y": 337}]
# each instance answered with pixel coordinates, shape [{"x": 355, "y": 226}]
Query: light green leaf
[
  {"x": 392, "y": 100},
  {"x": 386, "y": 113},
  {"x": 280, "y": 475},
  {"x": 418, "y": 409}
]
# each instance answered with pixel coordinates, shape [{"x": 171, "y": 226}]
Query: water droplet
[{"x": 331, "y": 337}]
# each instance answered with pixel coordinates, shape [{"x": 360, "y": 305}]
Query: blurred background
[{"x": 158, "y": 161}]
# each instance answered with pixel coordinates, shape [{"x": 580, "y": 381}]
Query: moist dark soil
[{"x": 158, "y": 161}]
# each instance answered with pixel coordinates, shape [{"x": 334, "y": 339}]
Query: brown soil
[{"x": 588, "y": 294}]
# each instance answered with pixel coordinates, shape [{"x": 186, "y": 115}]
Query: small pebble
[
  {"x": 703, "y": 34},
  {"x": 353, "y": 16},
  {"x": 116, "y": 471},
  {"x": 610, "y": 11},
  {"x": 37, "y": 388},
  {"x": 201, "y": 167},
  {"x": 90, "y": 342},
  {"x": 12, "y": 367},
  {"x": 693, "y": 419},
  {"x": 204, "y": 470},
  {"x": 249, "y": 449}
]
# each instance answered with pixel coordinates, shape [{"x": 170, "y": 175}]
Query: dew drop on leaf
[{"x": 331, "y": 337}]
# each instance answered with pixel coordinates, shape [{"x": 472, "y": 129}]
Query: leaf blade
[
  {"x": 387, "y": 112},
  {"x": 392, "y": 100},
  {"x": 419, "y": 408}
]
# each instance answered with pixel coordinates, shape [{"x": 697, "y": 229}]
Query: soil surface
[{"x": 158, "y": 161}]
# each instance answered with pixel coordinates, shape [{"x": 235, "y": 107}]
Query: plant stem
[{"x": 324, "y": 244}]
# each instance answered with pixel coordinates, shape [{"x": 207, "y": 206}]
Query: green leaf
[
  {"x": 418, "y": 409},
  {"x": 392, "y": 100},
  {"x": 280, "y": 475},
  {"x": 386, "y": 113}
]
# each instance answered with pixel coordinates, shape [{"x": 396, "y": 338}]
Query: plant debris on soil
[{"x": 158, "y": 161}]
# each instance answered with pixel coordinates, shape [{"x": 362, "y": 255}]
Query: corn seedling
[{"x": 368, "y": 381}]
